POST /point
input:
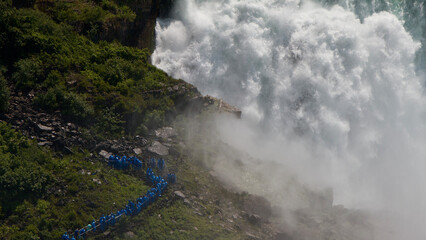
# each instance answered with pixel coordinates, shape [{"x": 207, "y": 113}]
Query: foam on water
[{"x": 345, "y": 91}]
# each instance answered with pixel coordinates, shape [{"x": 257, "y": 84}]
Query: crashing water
[
  {"x": 336, "y": 85},
  {"x": 411, "y": 12}
]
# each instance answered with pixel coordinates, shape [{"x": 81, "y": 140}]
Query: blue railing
[{"x": 132, "y": 208}]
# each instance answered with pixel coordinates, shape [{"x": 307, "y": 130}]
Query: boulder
[
  {"x": 254, "y": 219},
  {"x": 165, "y": 132},
  {"x": 45, "y": 143},
  {"x": 44, "y": 128},
  {"x": 158, "y": 148},
  {"x": 105, "y": 154},
  {"x": 180, "y": 194},
  {"x": 137, "y": 151},
  {"x": 129, "y": 234}
]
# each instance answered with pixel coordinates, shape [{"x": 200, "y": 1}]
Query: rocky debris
[
  {"x": 180, "y": 194},
  {"x": 321, "y": 200},
  {"x": 198, "y": 103},
  {"x": 137, "y": 151},
  {"x": 222, "y": 106},
  {"x": 44, "y": 128},
  {"x": 48, "y": 128},
  {"x": 105, "y": 154},
  {"x": 256, "y": 205},
  {"x": 129, "y": 234},
  {"x": 45, "y": 143},
  {"x": 254, "y": 219},
  {"x": 158, "y": 148},
  {"x": 252, "y": 236},
  {"x": 97, "y": 181},
  {"x": 165, "y": 133},
  {"x": 226, "y": 108}
]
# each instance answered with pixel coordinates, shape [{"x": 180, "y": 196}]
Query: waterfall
[{"x": 333, "y": 88}]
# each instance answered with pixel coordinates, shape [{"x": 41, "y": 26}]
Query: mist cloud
[{"x": 326, "y": 99}]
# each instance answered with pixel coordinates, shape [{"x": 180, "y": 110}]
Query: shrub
[
  {"x": 109, "y": 124},
  {"x": 27, "y": 73},
  {"x": 4, "y": 93},
  {"x": 71, "y": 104},
  {"x": 20, "y": 176},
  {"x": 154, "y": 119}
]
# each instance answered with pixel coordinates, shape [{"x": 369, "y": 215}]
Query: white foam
[{"x": 346, "y": 90}]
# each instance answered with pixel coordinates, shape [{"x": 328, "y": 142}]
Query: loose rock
[
  {"x": 158, "y": 148},
  {"x": 129, "y": 234},
  {"x": 46, "y": 143},
  {"x": 105, "y": 154},
  {"x": 44, "y": 128},
  {"x": 180, "y": 194},
  {"x": 97, "y": 181},
  {"x": 165, "y": 132},
  {"x": 137, "y": 151}
]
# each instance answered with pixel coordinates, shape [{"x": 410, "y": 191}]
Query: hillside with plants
[{"x": 74, "y": 84}]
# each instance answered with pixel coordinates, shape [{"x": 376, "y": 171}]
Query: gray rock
[
  {"x": 165, "y": 132},
  {"x": 137, "y": 151},
  {"x": 180, "y": 194},
  {"x": 158, "y": 148},
  {"x": 187, "y": 202},
  {"x": 252, "y": 236},
  {"x": 254, "y": 219},
  {"x": 97, "y": 181},
  {"x": 105, "y": 154},
  {"x": 129, "y": 234},
  {"x": 44, "y": 128},
  {"x": 45, "y": 143}
]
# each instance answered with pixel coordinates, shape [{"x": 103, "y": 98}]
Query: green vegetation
[
  {"x": 41, "y": 195},
  {"x": 70, "y": 73},
  {"x": 4, "y": 93}
]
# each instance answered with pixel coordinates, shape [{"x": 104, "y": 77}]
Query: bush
[
  {"x": 21, "y": 174},
  {"x": 154, "y": 119},
  {"x": 71, "y": 104},
  {"x": 27, "y": 73},
  {"x": 109, "y": 124},
  {"x": 4, "y": 93}
]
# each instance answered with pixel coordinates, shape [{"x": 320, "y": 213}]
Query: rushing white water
[{"x": 340, "y": 94}]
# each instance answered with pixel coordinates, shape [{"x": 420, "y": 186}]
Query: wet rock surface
[
  {"x": 165, "y": 133},
  {"x": 158, "y": 148}
]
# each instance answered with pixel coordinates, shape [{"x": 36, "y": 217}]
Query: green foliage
[
  {"x": 28, "y": 72},
  {"x": 88, "y": 17},
  {"x": 4, "y": 93},
  {"x": 42, "y": 196},
  {"x": 154, "y": 119},
  {"x": 109, "y": 124},
  {"x": 71, "y": 104},
  {"x": 81, "y": 78},
  {"x": 21, "y": 173}
]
